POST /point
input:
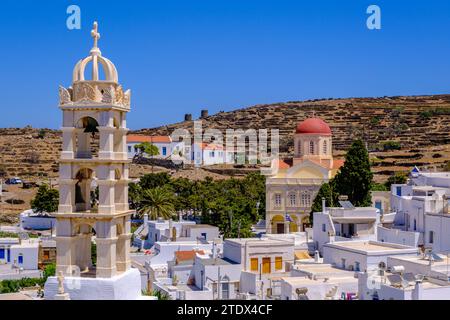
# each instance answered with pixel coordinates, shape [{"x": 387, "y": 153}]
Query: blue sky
[{"x": 180, "y": 56}]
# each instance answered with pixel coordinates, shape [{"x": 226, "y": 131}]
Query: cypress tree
[{"x": 355, "y": 179}]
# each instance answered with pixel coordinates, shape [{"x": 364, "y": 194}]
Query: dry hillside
[{"x": 420, "y": 124}]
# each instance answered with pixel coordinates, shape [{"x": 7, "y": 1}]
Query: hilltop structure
[
  {"x": 94, "y": 109},
  {"x": 293, "y": 184}
]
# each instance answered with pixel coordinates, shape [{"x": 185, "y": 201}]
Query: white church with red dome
[{"x": 293, "y": 184}]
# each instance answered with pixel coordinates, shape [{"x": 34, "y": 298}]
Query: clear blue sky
[{"x": 181, "y": 56}]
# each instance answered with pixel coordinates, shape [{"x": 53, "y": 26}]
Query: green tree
[
  {"x": 46, "y": 199},
  {"x": 355, "y": 178},
  {"x": 157, "y": 202},
  {"x": 153, "y": 180},
  {"x": 146, "y": 148},
  {"x": 398, "y": 177},
  {"x": 326, "y": 191},
  {"x": 134, "y": 193}
]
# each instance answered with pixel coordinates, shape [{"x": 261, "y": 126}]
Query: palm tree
[{"x": 157, "y": 202}]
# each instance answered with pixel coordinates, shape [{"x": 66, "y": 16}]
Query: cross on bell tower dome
[{"x": 94, "y": 156}]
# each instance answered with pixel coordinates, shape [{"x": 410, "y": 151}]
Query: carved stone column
[
  {"x": 68, "y": 142},
  {"x": 106, "y": 142}
]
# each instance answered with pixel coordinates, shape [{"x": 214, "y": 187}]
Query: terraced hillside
[
  {"x": 419, "y": 126},
  {"x": 415, "y": 122}
]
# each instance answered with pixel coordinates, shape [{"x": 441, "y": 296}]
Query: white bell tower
[{"x": 94, "y": 161}]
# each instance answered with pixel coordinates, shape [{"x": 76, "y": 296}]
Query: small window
[
  {"x": 357, "y": 266},
  {"x": 20, "y": 259},
  {"x": 306, "y": 200},
  {"x": 129, "y": 149},
  {"x": 164, "y": 151},
  {"x": 431, "y": 237},
  {"x": 204, "y": 235},
  {"x": 299, "y": 147},
  {"x": 292, "y": 200},
  {"x": 311, "y": 147},
  {"x": 278, "y": 200},
  {"x": 324, "y": 227},
  {"x": 325, "y": 147}
]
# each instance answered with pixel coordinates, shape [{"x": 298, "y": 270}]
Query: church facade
[{"x": 292, "y": 184}]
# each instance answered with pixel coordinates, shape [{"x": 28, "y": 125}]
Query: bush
[
  {"x": 379, "y": 187},
  {"x": 375, "y": 121},
  {"x": 391, "y": 145},
  {"x": 41, "y": 134},
  {"x": 397, "y": 178},
  {"x": 11, "y": 286},
  {"x": 425, "y": 115},
  {"x": 49, "y": 271}
]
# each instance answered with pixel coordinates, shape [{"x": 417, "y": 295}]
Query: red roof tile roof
[
  {"x": 186, "y": 255},
  {"x": 151, "y": 139}
]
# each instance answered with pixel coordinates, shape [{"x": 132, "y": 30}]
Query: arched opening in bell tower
[
  {"x": 87, "y": 138},
  {"x": 83, "y": 190},
  {"x": 85, "y": 262}
]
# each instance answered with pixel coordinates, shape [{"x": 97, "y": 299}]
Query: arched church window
[
  {"x": 311, "y": 147},
  {"x": 292, "y": 200},
  {"x": 277, "y": 200},
  {"x": 306, "y": 199},
  {"x": 325, "y": 147}
]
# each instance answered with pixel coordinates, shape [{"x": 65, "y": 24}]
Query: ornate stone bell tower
[{"x": 93, "y": 156}]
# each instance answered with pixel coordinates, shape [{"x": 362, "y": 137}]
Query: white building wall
[
  {"x": 407, "y": 238},
  {"x": 440, "y": 226}
]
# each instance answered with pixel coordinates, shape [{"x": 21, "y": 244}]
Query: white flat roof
[
  {"x": 371, "y": 247},
  {"x": 260, "y": 241}
]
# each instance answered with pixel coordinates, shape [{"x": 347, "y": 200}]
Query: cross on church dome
[
  {"x": 95, "y": 57},
  {"x": 95, "y": 34}
]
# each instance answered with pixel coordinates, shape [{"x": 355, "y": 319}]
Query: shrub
[
  {"x": 425, "y": 115},
  {"x": 391, "y": 145},
  {"x": 379, "y": 187}
]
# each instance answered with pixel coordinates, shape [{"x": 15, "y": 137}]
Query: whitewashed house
[
  {"x": 19, "y": 258},
  {"x": 360, "y": 256},
  {"x": 414, "y": 277},
  {"x": 421, "y": 209},
  {"x": 206, "y": 154},
  {"x": 166, "y": 147},
  {"x": 168, "y": 230},
  {"x": 344, "y": 224}
]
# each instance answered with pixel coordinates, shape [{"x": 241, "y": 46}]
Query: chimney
[
  {"x": 323, "y": 205},
  {"x": 188, "y": 117}
]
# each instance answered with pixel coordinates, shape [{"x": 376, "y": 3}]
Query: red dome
[{"x": 313, "y": 126}]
